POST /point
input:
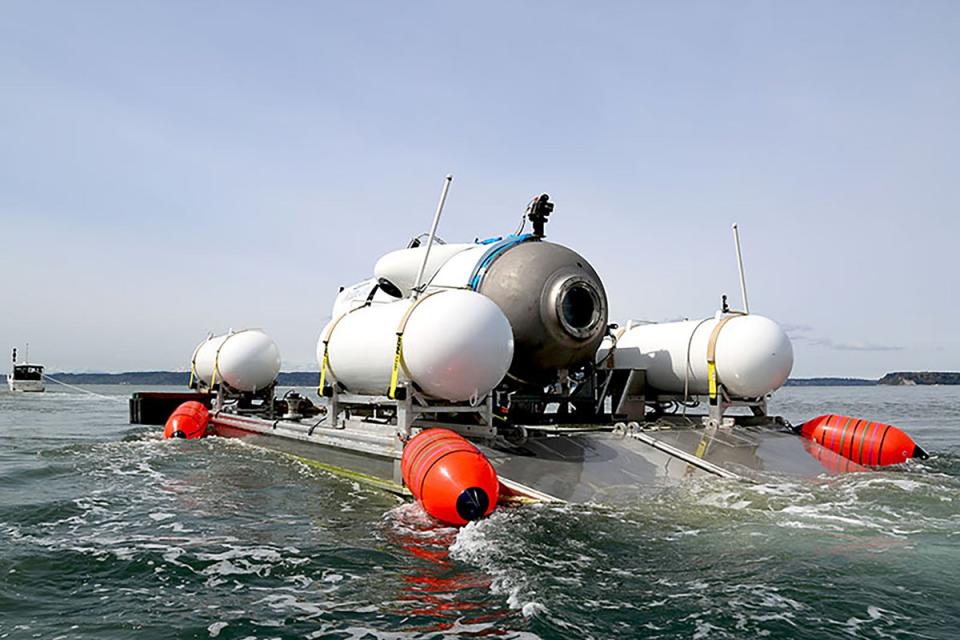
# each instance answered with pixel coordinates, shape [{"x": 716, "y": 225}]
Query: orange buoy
[
  {"x": 449, "y": 477},
  {"x": 862, "y": 441},
  {"x": 188, "y": 421}
]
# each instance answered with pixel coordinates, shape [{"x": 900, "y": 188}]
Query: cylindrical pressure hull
[
  {"x": 456, "y": 345},
  {"x": 247, "y": 360},
  {"x": 753, "y": 355}
]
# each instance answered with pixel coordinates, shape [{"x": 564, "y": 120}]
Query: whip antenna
[
  {"x": 743, "y": 282},
  {"x": 433, "y": 234}
]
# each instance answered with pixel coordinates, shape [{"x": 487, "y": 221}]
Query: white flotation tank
[
  {"x": 457, "y": 345},
  {"x": 246, "y": 360},
  {"x": 753, "y": 354},
  {"x": 401, "y": 267}
]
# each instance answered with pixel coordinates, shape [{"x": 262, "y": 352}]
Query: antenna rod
[
  {"x": 743, "y": 282},
  {"x": 433, "y": 234}
]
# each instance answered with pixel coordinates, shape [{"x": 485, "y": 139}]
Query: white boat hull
[{"x": 34, "y": 386}]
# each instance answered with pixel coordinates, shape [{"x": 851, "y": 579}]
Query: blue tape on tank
[{"x": 493, "y": 253}]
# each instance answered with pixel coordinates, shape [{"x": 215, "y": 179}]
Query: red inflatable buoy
[
  {"x": 449, "y": 477},
  {"x": 862, "y": 441},
  {"x": 189, "y": 421}
]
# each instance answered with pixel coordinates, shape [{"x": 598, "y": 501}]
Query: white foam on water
[
  {"x": 904, "y": 484},
  {"x": 473, "y": 546},
  {"x": 879, "y": 622},
  {"x": 268, "y": 554},
  {"x": 829, "y": 513},
  {"x": 288, "y": 602},
  {"x": 703, "y": 629},
  {"x": 410, "y": 519}
]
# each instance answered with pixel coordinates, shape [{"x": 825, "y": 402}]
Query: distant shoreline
[
  {"x": 831, "y": 382},
  {"x": 173, "y": 378},
  {"x": 311, "y": 378}
]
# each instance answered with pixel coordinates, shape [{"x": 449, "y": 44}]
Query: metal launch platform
[
  {"x": 611, "y": 464},
  {"x": 583, "y": 464}
]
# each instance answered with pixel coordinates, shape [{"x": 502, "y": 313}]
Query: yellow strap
[
  {"x": 216, "y": 357},
  {"x": 325, "y": 363},
  {"x": 193, "y": 367},
  {"x": 395, "y": 374},
  {"x": 216, "y": 368},
  {"x": 712, "y": 379},
  {"x": 712, "y": 353},
  {"x": 323, "y": 366},
  {"x": 398, "y": 354},
  {"x": 702, "y": 447}
]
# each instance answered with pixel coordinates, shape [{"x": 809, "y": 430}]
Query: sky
[{"x": 168, "y": 169}]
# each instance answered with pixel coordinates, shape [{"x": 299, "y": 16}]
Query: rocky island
[{"x": 920, "y": 377}]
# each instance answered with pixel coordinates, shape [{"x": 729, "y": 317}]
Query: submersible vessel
[{"x": 500, "y": 351}]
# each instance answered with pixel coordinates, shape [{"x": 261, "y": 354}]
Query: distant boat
[{"x": 25, "y": 376}]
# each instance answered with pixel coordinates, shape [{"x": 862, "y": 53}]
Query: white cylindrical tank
[
  {"x": 246, "y": 360},
  {"x": 401, "y": 267},
  {"x": 457, "y": 346},
  {"x": 753, "y": 355}
]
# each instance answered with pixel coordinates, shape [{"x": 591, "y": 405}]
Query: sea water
[{"x": 108, "y": 531}]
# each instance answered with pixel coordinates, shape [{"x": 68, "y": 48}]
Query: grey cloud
[
  {"x": 797, "y": 330},
  {"x": 853, "y": 346},
  {"x": 804, "y": 333}
]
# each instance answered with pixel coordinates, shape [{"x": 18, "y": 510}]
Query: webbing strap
[
  {"x": 193, "y": 365},
  {"x": 216, "y": 360},
  {"x": 216, "y": 357},
  {"x": 325, "y": 361},
  {"x": 216, "y": 368},
  {"x": 323, "y": 367},
  {"x": 712, "y": 381},
  {"x": 398, "y": 352},
  {"x": 395, "y": 374},
  {"x": 712, "y": 355}
]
